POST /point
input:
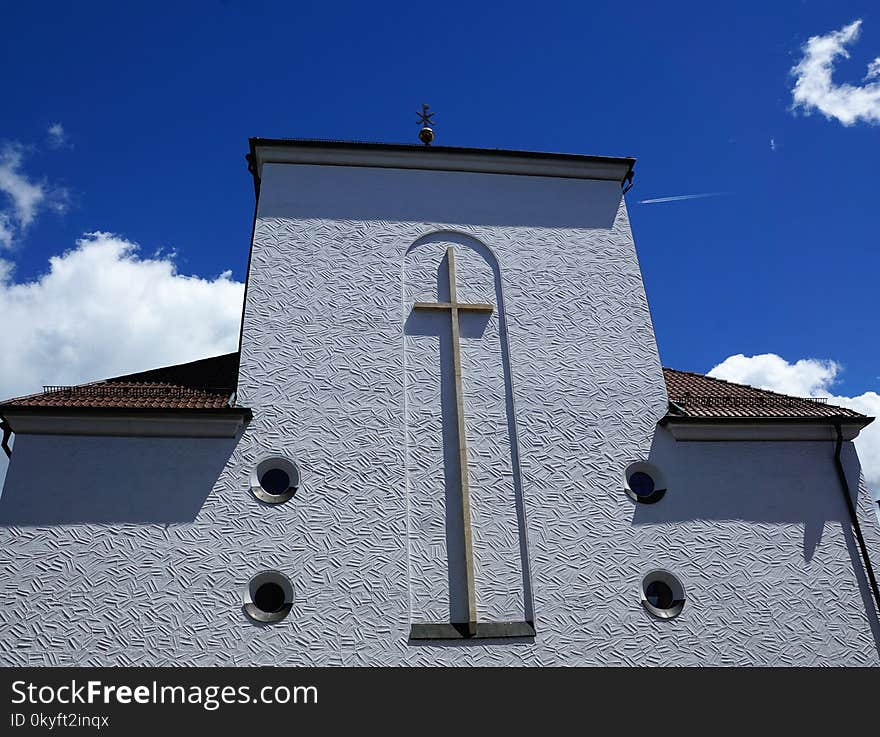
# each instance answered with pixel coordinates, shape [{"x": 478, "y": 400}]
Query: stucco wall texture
[{"x": 562, "y": 390}]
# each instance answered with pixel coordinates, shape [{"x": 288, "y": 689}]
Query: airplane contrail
[{"x": 679, "y": 197}]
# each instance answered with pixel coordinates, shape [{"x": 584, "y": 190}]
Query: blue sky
[{"x": 156, "y": 102}]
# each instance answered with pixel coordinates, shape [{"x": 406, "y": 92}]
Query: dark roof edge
[
  {"x": 860, "y": 420},
  {"x": 375, "y": 146},
  {"x": 317, "y": 143},
  {"x": 21, "y": 410}
]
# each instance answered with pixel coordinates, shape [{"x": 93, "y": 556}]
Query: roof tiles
[
  {"x": 211, "y": 383},
  {"x": 699, "y": 396},
  {"x": 206, "y": 384}
]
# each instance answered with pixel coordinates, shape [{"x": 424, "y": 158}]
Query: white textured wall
[
  {"x": 760, "y": 536},
  {"x": 331, "y": 374}
]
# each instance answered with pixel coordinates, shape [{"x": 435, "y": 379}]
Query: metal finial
[
  {"x": 426, "y": 134},
  {"x": 425, "y": 116}
]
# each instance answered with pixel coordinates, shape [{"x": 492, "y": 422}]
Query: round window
[
  {"x": 657, "y": 593},
  {"x": 662, "y": 594},
  {"x": 275, "y": 480},
  {"x": 644, "y": 483},
  {"x": 268, "y": 597}
]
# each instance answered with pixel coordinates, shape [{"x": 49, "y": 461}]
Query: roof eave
[
  {"x": 861, "y": 420},
  {"x": 207, "y": 422},
  {"x": 442, "y": 158},
  {"x": 763, "y": 428},
  {"x": 13, "y": 410}
]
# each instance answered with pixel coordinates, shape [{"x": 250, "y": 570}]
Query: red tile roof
[
  {"x": 698, "y": 396},
  {"x": 211, "y": 382},
  {"x": 206, "y": 384}
]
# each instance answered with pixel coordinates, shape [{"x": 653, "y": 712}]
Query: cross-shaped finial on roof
[
  {"x": 425, "y": 116},
  {"x": 426, "y": 134}
]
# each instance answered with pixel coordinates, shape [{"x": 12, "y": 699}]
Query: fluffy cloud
[
  {"x": 804, "y": 378},
  {"x": 810, "y": 377},
  {"x": 815, "y": 90},
  {"x": 103, "y": 310}
]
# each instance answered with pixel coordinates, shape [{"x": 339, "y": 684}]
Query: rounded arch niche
[{"x": 462, "y": 447}]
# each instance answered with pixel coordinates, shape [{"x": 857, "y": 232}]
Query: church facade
[{"x": 446, "y": 438}]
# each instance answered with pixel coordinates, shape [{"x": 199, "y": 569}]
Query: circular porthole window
[
  {"x": 662, "y": 594},
  {"x": 644, "y": 482},
  {"x": 268, "y": 597},
  {"x": 275, "y": 480}
]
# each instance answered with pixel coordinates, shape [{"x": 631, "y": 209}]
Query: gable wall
[{"x": 324, "y": 370}]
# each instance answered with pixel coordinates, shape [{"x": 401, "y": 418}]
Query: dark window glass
[
  {"x": 659, "y": 594},
  {"x": 275, "y": 481},
  {"x": 269, "y": 597},
  {"x": 641, "y": 484}
]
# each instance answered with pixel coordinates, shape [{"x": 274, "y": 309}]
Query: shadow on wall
[
  {"x": 472, "y": 325},
  {"x": 782, "y": 482},
  {"x": 761, "y": 482},
  {"x": 68, "y": 480},
  {"x": 365, "y": 193}
]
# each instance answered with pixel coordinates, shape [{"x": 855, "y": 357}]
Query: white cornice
[
  {"x": 760, "y": 431},
  {"x": 225, "y": 425},
  {"x": 575, "y": 167}
]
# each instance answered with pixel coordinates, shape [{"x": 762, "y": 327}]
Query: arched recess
[{"x": 453, "y": 569}]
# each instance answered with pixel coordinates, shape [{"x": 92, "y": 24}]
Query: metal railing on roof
[
  {"x": 133, "y": 390},
  {"x": 730, "y": 400}
]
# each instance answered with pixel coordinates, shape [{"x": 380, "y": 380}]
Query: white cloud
[
  {"x": 57, "y": 136},
  {"x": 22, "y": 198},
  {"x": 810, "y": 377},
  {"x": 24, "y": 194},
  {"x": 804, "y": 378},
  {"x": 814, "y": 88},
  {"x": 772, "y": 144},
  {"x": 102, "y": 310}
]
